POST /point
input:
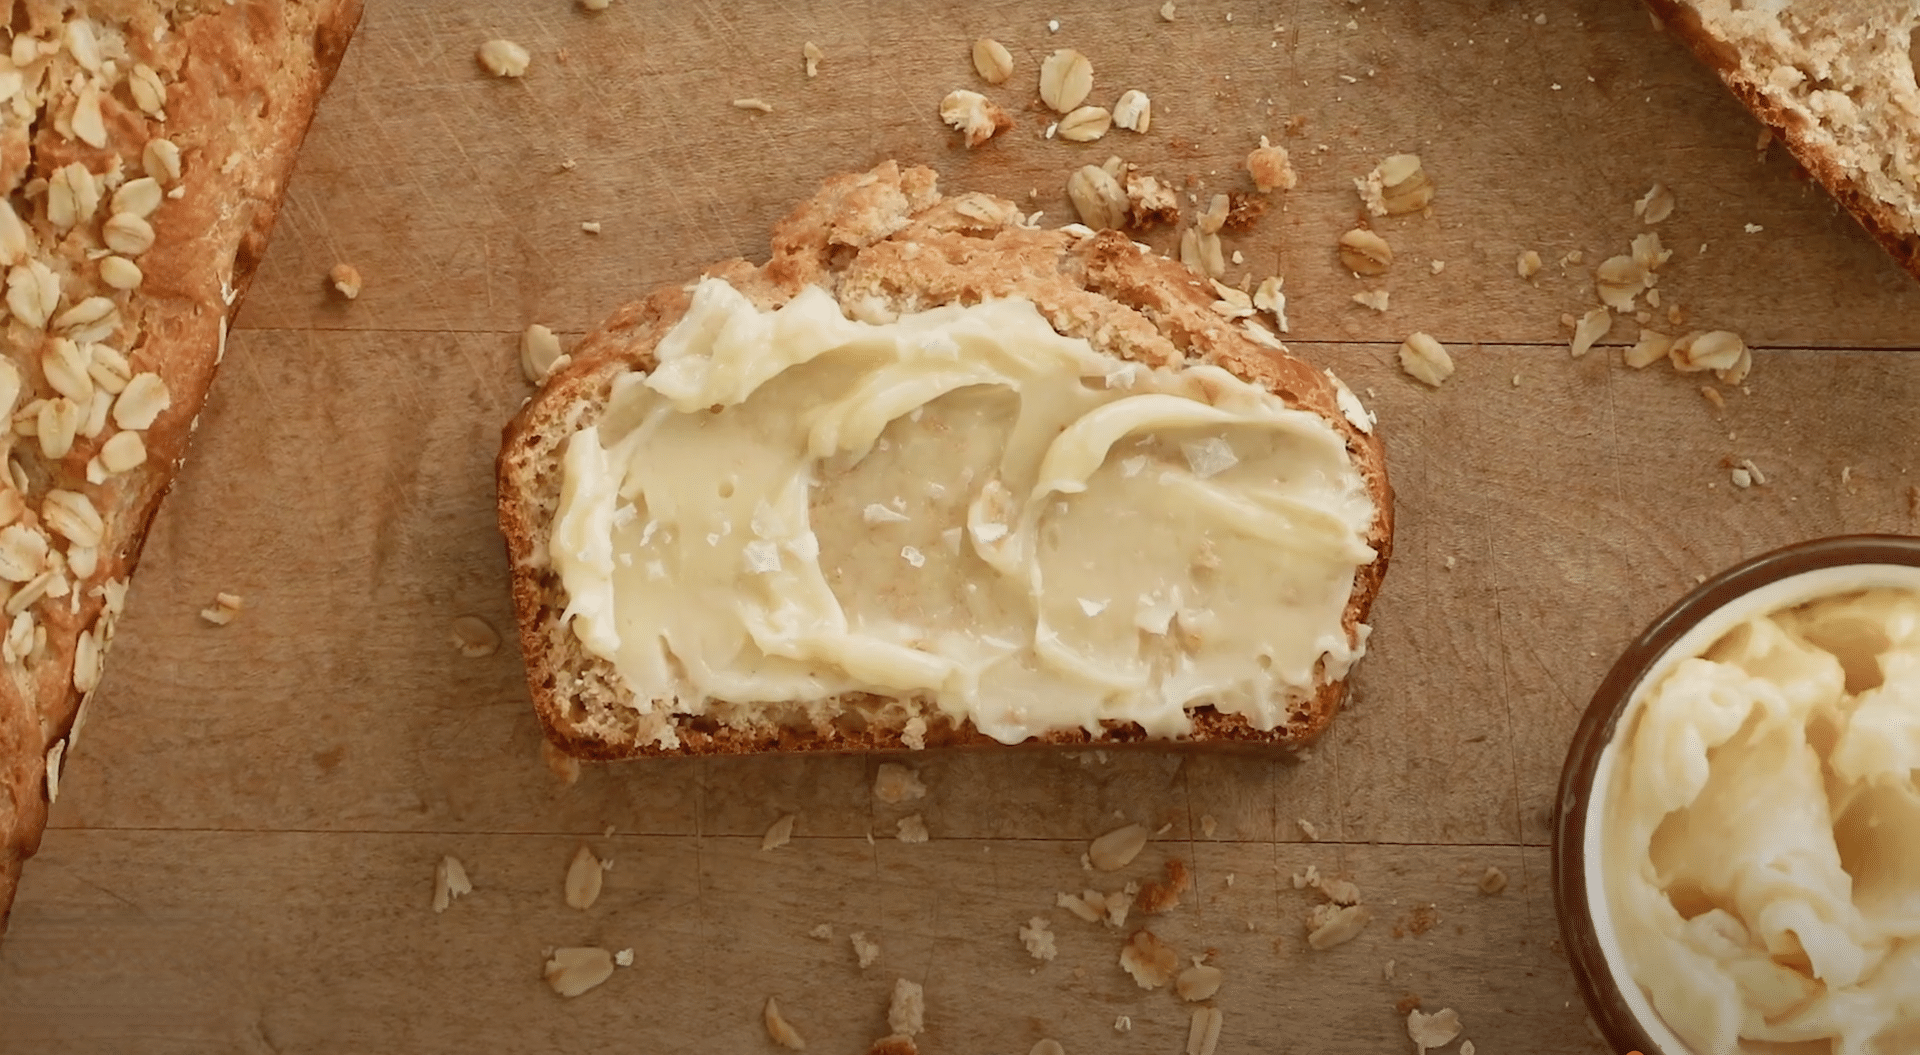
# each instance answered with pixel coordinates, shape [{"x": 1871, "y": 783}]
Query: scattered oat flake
[
  {"x": 779, "y": 834},
  {"x": 912, "y": 829},
  {"x": 1754, "y": 228},
  {"x": 590, "y": 226},
  {"x": 1426, "y": 360},
  {"x": 584, "y": 876},
  {"x": 1198, "y": 982},
  {"x": 1373, "y": 298},
  {"x": 1493, "y": 882},
  {"x": 1433, "y": 1031},
  {"x": 345, "y": 279},
  {"x": 225, "y": 608},
  {"x": 1166, "y": 11},
  {"x": 1329, "y": 925},
  {"x": 780, "y": 1031},
  {"x": 1466, "y": 1047},
  {"x": 1208, "y": 825},
  {"x": 572, "y": 971},
  {"x": 504, "y": 58},
  {"x": 761, "y": 105},
  {"x": 1203, "y": 1036},
  {"x": 863, "y": 950},
  {"x": 1117, "y": 849},
  {"x": 813, "y": 55},
  {"x": 474, "y": 637},
  {"x": 1591, "y": 327},
  {"x": 824, "y": 932},
  {"x": 1157, "y": 897},
  {"x": 449, "y": 882}
]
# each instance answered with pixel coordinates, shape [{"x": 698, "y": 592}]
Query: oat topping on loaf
[
  {"x": 885, "y": 244},
  {"x": 139, "y": 176}
]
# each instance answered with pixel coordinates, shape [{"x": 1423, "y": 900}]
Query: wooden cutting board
[{"x": 242, "y": 856}]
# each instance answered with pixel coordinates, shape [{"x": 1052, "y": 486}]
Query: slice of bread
[
  {"x": 884, "y": 242},
  {"x": 117, "y": 301},
  {"x": 1835, "y": 81}
]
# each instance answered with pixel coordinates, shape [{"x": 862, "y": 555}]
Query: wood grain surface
[{"x": 242, "y": 854}]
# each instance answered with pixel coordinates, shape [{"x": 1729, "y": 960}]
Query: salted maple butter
[
  {"x": 1761, "y": 839},
  {"x": 960, "y": 506}
]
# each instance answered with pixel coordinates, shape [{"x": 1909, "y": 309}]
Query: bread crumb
[
  {"x": 863, "y": 950},
  {"x": 895, "y": 783},
  {"x": 1712, "y": 395},
  {"x": 914, "y": 734},
  {"x": 1754, "y": 228},
  {"x": 1528, "y": 265},
  {"x": 623, "y": 958},
  {"x": 1150, "y": 961},
  {"x": 1123, "y": 1024},
  {"x": 824, "y": 932},
  {"x": 1372, "y": 298},
  {"x": 1433, "y": 1031},
  {"x": 779, "y": 833},
  {"x": 780, "y": 1031},
  {"x": 757, "y": 104},
  {"x": 225, "y": 609},
  {"x": 1166, "y": 11},
  {"x": 811, "y": 52},
  {"x": 1270, "y": 168},
  {"x": 1156, "y": 897},
  {"x": 590, "y": 226},
  {"x": 1493, "y": 881},
  {"x": 1307, "y": 829},
  {"x": 345, "y": 279},
  {"x": 1208, "y": 825},
  {"x": 906, "y": 1015},
  {"x": 1038, "y": 939},
  {"x": 911, "y": 829},
  {"x": 1436, "y": 266},
  {"x": 449, "y": 882},
  {"x": 1386, "y": 972}
]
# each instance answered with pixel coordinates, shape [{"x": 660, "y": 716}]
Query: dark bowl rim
[{"x": 1596, "y": 729}]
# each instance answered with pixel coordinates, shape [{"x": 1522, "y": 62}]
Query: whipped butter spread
[
  {"x": 1762, "y": 861},
  {"x": 959, "y": 506}
]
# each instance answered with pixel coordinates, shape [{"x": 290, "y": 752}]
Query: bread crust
[
  {"x": 853, "y": 238},
  {"x": 1793, "y": 128},
  {"x": 242, "y": 82}
]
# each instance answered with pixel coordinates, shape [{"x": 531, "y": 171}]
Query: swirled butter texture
[
  {"x": 1763, "y": 840},
  {"x": 962, "y": 507}
]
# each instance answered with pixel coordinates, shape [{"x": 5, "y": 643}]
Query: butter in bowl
[{"x": 1737, "y": 835}]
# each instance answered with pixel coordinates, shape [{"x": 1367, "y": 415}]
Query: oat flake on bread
[{"x": 1128, "y": 518}]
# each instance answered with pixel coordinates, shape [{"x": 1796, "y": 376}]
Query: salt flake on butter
[
  {"x": 913, "y": 556},
  {"x": 762, "y": 557},
  {"x": 875, "y": 513},
  {"x": 1210, "y": 457}
]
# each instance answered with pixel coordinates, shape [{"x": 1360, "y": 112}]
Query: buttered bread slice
[{"x": 930, "y": 476}]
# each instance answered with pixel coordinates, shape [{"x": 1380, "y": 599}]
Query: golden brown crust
[
  {"x": 886, "y": 238},
  {"x": 1794, "y": 129},
  {"x": 242, "y": 81}
]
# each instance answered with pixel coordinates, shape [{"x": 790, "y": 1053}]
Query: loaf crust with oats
[{"x": 144, "y": 147}]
